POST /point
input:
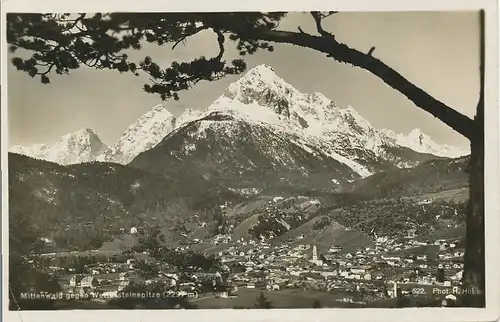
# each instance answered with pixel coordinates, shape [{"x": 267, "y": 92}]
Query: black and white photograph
[{"x": 197, "y": 160}]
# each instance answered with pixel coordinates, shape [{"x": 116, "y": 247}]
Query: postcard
[{"x": 250, "y": 162}]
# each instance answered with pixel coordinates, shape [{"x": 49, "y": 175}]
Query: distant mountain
[
  {"x": 77, "y": 147},
  {"x": 263, "y": 131},
  {"x": 263, "y": 98},
  {"x": 428, "y": 177},
  {"x": 86, "y": 146},
  {"x": 421, "y": 142},
  {"x": 144, "y": 134}
]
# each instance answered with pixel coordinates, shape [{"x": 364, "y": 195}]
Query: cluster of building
[
  {"x": 384, "y": 269},
  {"x": 375, "y": 271}
]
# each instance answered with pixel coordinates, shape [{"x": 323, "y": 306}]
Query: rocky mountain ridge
[{"x": 262, "y": 98}]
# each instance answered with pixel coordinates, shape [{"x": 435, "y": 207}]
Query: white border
[{"x": 490, "y": 313}]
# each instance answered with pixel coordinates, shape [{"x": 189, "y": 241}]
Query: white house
[
  {"x": 123, "y": 285},
  {"x": 123, "y": 276},
  {"x": 88, "y": 281}
]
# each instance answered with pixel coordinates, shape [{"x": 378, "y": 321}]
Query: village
[{"x": 387, "y": 269}]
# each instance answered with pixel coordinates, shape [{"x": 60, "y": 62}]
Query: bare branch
[
  {"x": 183, "y": 38},
  {"x": 74, "y": 22},
  {"x": 220, "y": 40},
  {"x": 318, "y": 17},
  {"x": 49, "y": 69},
  {"x": 330, "y": 13},
  {"x": 370, "y": 52}
]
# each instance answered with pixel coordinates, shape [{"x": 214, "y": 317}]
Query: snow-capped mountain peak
[
  {"x": 418, "y": 136},
  {"x": 259, "y": 75},
  {"x": 157, "y": 109},
  {"x": 263, "y": 86},
  {"x": 146, "y": 133},
  {"x": 423, "y": 143},
  {"x": 82, "y": 136},
  {"x": 320, "y": 99},
  {"x": 80, "y": 146},
  {"x": 263, "y": 95},
  {"x": 34, "y": 151},
  {"x": 142, "y": 135},
  {"x": 157, "y": 114},
  {"x": 357, "y": 122},
  {"x": 188, "y": 116},
  {"x": 77, "y": 147},
  {"x": 264, "y": 98}
]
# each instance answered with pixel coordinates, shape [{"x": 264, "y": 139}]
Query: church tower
[{"x": 315, "y": 253}]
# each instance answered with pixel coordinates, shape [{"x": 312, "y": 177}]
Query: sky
[{"x": 437, "y": 51}]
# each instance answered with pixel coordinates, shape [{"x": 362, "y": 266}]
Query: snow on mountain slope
[
  {"x": 78, "y": 147},
  {"x": 421, "y": 142},
  {"x": 146, "y": 133},
  {"x": 263, "y": 132},
  {"x": 264, "y": 98},
  {"x": 142, "y": 135},
  {"x": 188, "y": 116},
  {"x": 35, "y": 151},
  {"x": 235, "y": 153}
]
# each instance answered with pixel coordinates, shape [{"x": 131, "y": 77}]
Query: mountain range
[
  {"x": 264, "y": 159},
  {"x": 263, "y": 100}
]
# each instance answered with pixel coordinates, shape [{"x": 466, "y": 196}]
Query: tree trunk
[{"x": 474, "y": 262}]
